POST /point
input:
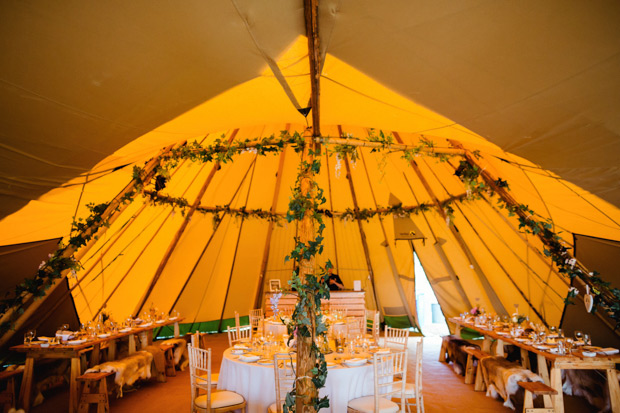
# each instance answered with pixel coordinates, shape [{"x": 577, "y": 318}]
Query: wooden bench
[
  {"x": 477, "y": 376},
  {"x": 168, "y": 350},
  {"x": 91, "y": 393},
  {"x": 7, "y": 396},
  {"x": 537, "y": 388}
]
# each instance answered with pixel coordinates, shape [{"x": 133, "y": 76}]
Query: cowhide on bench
[
  {"x": 456, "y": 353},
  {"x": 181, "y": 358},
  {"x": 128, "y": 370},
  {"x": 591, "y": 384},
  {"x": 502, "y": 378}
]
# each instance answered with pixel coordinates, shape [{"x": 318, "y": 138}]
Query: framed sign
[{"x": 274, "y": 285}]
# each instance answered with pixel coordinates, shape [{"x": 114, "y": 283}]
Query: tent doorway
[{"x": 431, "y": 318}]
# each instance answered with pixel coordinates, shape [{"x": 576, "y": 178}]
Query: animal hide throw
[
  {"x": 503, "y": 376},
  {"x": 128, "y": 370},
  {"x": 181, "y": 358},
  {"x": 456, "y": 353},
  {"x": 591, "y": 384}
]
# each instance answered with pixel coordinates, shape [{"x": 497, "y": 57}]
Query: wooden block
[
  {"x": 469, "y": 369},
  {"x": 94, "y": 376},
  {"x": 536, "y": 387}
]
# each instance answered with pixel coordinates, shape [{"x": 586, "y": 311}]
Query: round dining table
[{"x": 256, "y": 382}]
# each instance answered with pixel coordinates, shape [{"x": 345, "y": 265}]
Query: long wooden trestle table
[
  {"x": 552, "y": 376},
  {"x": 74, "y": 352}
]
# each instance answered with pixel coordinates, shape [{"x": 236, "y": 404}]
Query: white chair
[
  {"x": 386, "y": 366},
  {"x": 373, "y": 325},
  {"x": 198, "y": 341},
  {"x": 241, "y": 334},
  {"x": 256, "y": 320},
  {"x": 339, "y": 310},
  {"x": 396, "y": 336},
  {"x": 285, "y": 379},
  {"x": 414, "y": 390},
  {"x": 355, "y": 327},
  {"x": 212, "y": 401},
  {"x": 286, "y": 311}
]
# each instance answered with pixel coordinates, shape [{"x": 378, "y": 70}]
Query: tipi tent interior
[{"x": 528, "y": 91}]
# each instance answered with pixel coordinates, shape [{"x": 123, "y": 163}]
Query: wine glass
[
  {"x": 587, "y": 340},
  {"x": 578, "y": 335},
  {"x": 29, "y": 336},
  {"x": 553, "y": 330}
]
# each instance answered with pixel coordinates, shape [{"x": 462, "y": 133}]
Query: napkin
[{"x": 609, "y": 351}]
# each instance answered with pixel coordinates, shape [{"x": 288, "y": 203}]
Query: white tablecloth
[{"x": 257, "y": 385}]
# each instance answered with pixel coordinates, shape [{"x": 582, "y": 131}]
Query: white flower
[
  {"x": 574, "y": 290},
  {"x": 42, "y": 264}
]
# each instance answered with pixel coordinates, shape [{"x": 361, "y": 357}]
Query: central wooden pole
[
  {"x": 307, "y": 393},
  {"x": 306, "y": 360}
]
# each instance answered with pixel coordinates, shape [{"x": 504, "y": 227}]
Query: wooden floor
[{"x": 443, "y": 390}]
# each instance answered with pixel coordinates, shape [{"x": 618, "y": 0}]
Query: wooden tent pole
[
  {"x": 311, "y": 16},
  {"x": 412, "y": 316},
  {"x": 331, "y": 200},
  {"x": 495, "y": 301},
  {"x": 116, "y": 206},
  {"x": 307, "y": 393},
  {"x": 362, "y": 236},
  {"x": 258, "y": 299},
  {"x": 232, "y": 267},
  {"x": 180, "y": 231},
  {"x": 442, "y": 254}
]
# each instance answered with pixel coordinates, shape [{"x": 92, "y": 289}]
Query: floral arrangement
[
  {"x": 519, "y": 318},
  {"x": 476, "y": 311},
  {"x": 274, "y": 300}
]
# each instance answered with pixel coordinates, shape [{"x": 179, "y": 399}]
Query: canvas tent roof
[{"x": 88, "y": 90}]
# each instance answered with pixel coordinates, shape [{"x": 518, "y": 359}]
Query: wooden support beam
[
  {"x": 258, "y": 299},
  {"x": 311, "y": 15},
  {"x": 307, "y": 393},
  {"x": 363, "y": 238},
  {"x": 116, "y": 206}
]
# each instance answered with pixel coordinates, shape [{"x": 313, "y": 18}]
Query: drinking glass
[
  {"x": 560, "y": 333},
  {"x": 553, "y": 330},
  {"x": 578, "y": 335},
  {"x": 587, "y": 340},
  {"x": 27, "y": 338}
]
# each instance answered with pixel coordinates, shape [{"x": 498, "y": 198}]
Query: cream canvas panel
[
  {"x": 203, "y": 296},
  {"x": 180, "y": 269},
  {"x": 242, "y": 289}
]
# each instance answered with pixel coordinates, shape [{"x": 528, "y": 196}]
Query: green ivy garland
[{"x": 222, "y": 151}]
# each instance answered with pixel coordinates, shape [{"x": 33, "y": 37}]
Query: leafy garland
[
  {"x": 348, "y": 214},
  {"x": 222, "y": 151}
]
